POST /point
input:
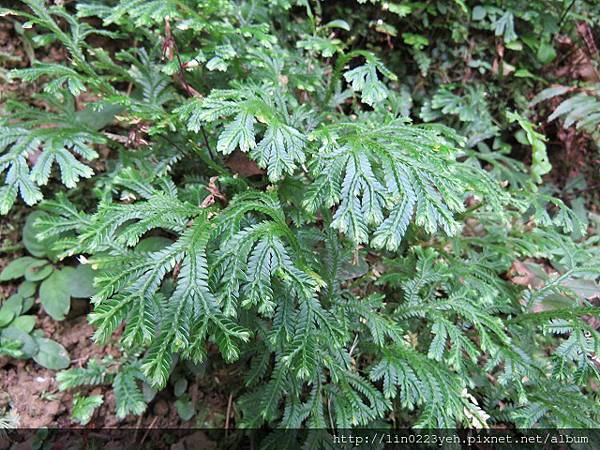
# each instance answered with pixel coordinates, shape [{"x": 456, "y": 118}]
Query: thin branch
[
  {"x": 564, "y": 14},
  {"x": 170, "y": 40},
  {"x": 229, "y": 404}
]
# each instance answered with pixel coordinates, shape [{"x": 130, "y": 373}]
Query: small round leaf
[
  {"x": 180, "y": 387},
  {"x": 185, "y": 408},
  {"x": 27, "y": 289},
  {"x": 38, "y": 270},
  {"x": 6, "y": 317},
  {"x": 81, "y": 281},
  {"x": 27, "y": 304},
  {"x": 29, "y": 347},
  {"x": 24, "y": 323},
  {"x": 16, "y": 269},
  {"x": 14, "y": 303},
  {"x": 30, "y": 240},
  {"x": 51, "y": 354},
  {"x": 54, "y": 295}
]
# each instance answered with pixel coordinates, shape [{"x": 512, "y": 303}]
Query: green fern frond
[{"x": 383, "y": 176}]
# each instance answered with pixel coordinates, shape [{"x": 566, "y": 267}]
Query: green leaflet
[
  {"x": 282, "y": 147},
  {"x": 16, "y": 144},
  {"x": 540, "y": 164},
  {"x": 383, "y": 176}
]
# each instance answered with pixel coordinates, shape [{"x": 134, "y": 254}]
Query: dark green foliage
[{"x": 362, "y": 272}]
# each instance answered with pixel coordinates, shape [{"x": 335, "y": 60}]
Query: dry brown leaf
[{"x": 239, "y": 163}]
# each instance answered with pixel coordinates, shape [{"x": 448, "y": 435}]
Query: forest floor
[
  {"x": 33, "y": 391},
  {"x": 34, "y": 395}
]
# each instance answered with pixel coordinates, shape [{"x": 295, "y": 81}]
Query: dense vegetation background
[{"x": 299, "y": 213}]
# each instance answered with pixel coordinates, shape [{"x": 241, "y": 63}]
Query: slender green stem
[
  {"x": 208, "y": 160},
  {"x": 11, "y": 248},
  {"x": 469, "y": 210},
  {"x": 339, "y": 67}
]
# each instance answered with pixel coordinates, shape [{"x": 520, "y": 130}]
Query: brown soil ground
[{"x": 31, "y": 391}]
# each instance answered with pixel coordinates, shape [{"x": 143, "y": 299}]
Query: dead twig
[
  {"x": 148, "y": 431},
  {"x": 229, "y": 405},
  {"x": 214, "y": 193},
  {"x": 170, "y": 49},
  {"x": 137, "y": 427}
]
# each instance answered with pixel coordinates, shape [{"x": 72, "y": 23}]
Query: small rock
[
  {"x": 194, "y": 441},
  {"x": 96, "y": 391},
  {"x": 161, "y": 408}
]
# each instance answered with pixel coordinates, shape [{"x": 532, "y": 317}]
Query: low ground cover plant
[{"x": 341, "y": 211}]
